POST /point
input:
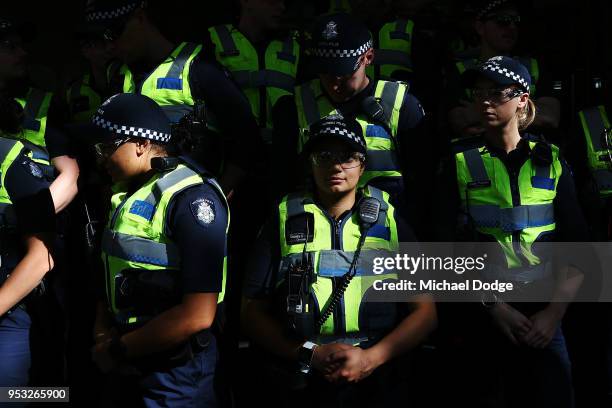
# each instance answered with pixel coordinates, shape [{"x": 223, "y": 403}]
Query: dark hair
[{"x": 11, "y": 114}]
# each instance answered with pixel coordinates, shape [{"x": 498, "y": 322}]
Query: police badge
[
  {"x": 330, "y": 31},
  {"x": 204, "y": 211}
]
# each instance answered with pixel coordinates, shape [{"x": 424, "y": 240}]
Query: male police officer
[
  {"x": 177, "y": 78},
  {"x": 391, "y": 118},
  {"x": 497, "y": 24},
  {"x": 48, "y": 146}
]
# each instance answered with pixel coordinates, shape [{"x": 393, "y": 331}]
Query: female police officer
[
  {"x": 164, "y": 255},
  {"x": 320, "y": 232},
  {"x": 27, "y": 221},
  {"x": 515, "y": 190}
]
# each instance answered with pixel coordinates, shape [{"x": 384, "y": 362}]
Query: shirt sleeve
[
  {"x": 197, "y": 223},
  {"x": 262, "y": 266},
  {"x": 571, "y": 224},
  {"x": 212, "y": 84},
  {"x": 30, "y": 195},
  {"x": 24, "y": 178}
]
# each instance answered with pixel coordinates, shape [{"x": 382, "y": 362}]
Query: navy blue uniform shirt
[{"x": 197, "y": 220}]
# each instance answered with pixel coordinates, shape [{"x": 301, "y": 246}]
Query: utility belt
[
  {"x": 176, "y": 356},
  {"x": 361, "y": 339}
]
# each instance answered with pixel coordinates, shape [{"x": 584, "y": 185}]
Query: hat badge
[{"x": 330, "y": 31}]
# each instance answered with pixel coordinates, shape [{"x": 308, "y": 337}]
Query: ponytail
[{"x": 526, "y": 116}]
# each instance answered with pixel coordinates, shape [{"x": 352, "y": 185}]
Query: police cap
[
  {"x": 502, "y": 70},
  {"x": 339, "y": 128},
  {"x": 338, "y": 40},
  {"x": 132, "y": 115}
]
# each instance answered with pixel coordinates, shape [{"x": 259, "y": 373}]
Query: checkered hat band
[
  {"x": 131, "y": 131},
  {"x": 112, "y": 14},
  {"x": 334, "y": 53},
  {"x": 492, "y": 67},
  {"x": 490, "y": 7},
  {"x": 335, "y": 130}
]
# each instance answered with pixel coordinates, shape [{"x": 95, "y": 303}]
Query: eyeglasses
[
  {"x": 505, "y": 20},
  {"x": 106, "y": 149},
  {"x": 346, "y": 160},
  {"x": 496, "y": 95}
]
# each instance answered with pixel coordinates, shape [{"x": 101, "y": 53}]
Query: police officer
[
  {"x": 497, "y": 24},
  {"x": 289, "y": 312},
  {"x": 27, "y": 232},
  {"x": 84, "y": 94},
  {"x": 487, "y": 184},
  {"x": 49, "y": 147},
  {"x": 179, "y": 79},
  {"x": 164, "y": 255},
  {"x": 391, "y": 118},
  {"x": 262, "y": 59}
]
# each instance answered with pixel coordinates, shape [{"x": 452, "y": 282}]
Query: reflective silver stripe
[
  {"x": 523, "y": 274},
  {"x": 142, "y": 250},
  {"x": 392, "y": 57},
  {"x": 475, "y": 165},
  {"x": 176, "y": 69},
  {"x": 335, "y": 263},
  {"x": 387, "y": 99},
  {"x": 382, "y": 160},
  {"x": 596, "y": 126},
  {"x": 264, "y": 78},
  {"x": 309, "y": 103},
  {"x": 166, "y": 182},
  {"x": 512, "y": 219},
  {"x": 287, "y": 54},
  {"x": 31, "y": 108},
  {"x": 227, "y": 41},
  {"x": 603, "y": 179}
]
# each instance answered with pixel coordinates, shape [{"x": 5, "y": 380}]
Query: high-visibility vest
[
  {"x": 168, "y": 84},
  {"x": 393, "y": 51},
  {"x": 382, "y": 157},
  {"x": 35, "y": 111},
  {"x": 596, "y": 127},
  {"x": 272, "y": 73},
  {"x": 136, "y": 239},
  {"x": 331, "y": 248},
  {"x": 83, "y": 101},
  {"x": 515, "y": 211}
]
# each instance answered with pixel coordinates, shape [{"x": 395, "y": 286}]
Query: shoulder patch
[
  {"x": 32, "y": 168},
  {"x": 203, "y": 210}
]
